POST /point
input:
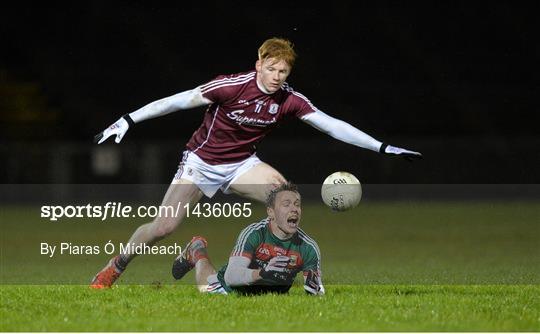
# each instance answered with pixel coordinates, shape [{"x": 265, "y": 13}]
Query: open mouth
[{"x": 293, "y": 221}]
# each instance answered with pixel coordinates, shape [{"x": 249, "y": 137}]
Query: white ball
[{"x": 341, "y": 191}]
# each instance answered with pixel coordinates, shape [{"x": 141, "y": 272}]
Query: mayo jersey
[
  {"x": 258, "y": 243},
  {"x": 240, "y": 116}
]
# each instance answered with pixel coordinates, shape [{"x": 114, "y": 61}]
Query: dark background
[{"x": 457, "y": 82}]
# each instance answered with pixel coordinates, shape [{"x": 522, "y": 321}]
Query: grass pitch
[
  {"x": 344, "y": 308},
  {"x": 386, "y": 267}
]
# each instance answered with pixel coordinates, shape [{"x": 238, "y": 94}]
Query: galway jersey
[
  {"x": 258, "y": 243},
  {"x": 240, "y": 116}
]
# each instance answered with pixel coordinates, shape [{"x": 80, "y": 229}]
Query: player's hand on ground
[
  {"x": 274, "y": 269},
  {"x": 311, "y": 282},
  {"x": 407, "y": 154},
  {"x": 118, "y": 129}
]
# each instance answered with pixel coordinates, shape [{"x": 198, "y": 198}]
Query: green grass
[
  {"x": 453, "y": 266},
  {"x": 344, "y": 308}
]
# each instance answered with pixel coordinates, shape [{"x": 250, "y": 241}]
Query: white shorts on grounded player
[{"x": 211, "y": 178}]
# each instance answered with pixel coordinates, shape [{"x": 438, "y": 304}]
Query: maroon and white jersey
[{"x": 240, "y": 116}]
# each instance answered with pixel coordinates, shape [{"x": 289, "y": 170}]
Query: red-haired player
[{"x": 221, "y": 154}]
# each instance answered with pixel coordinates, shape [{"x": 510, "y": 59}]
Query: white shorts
[{"x": 211, "y": 178}]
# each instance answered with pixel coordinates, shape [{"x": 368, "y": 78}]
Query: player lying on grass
[
  {"x": 266, "y": 257},
  {"x": 242, "y": 109}
]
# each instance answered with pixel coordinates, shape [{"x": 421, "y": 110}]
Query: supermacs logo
[{"x": 238, "y": 118}]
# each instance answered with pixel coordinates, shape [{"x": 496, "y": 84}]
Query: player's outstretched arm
[
  {"x": 349, "y": 134},
  {"x": 185, "y": 100},
  {"x": 238, "y": 273}
]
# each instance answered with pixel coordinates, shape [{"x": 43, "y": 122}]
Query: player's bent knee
[
  {"x": 275, "y": 181},
  {"x": 278, "y": 180}
]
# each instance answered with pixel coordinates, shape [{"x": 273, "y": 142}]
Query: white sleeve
[
  {"x": 184, "y": 100},
  {"x": 238, "y": 273},
  {"x": 341, "y": 130}
]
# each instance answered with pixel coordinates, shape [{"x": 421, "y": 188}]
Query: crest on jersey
[
  {"x": 294, "y": 260},
  {"x": 273, "y": 108}
]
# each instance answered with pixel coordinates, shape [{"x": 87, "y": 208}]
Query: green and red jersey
[{"x": 258, "y": 243}]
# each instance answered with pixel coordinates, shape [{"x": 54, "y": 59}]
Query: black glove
[
  {"x": 275, "y": 269},
  {"x": 312, "y": 283},
  {"x": 392, "y": 150}
]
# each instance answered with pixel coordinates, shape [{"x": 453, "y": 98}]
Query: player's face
[
  {"x": 271, "y": 74},
  {"x": 286, "y": 213}
]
